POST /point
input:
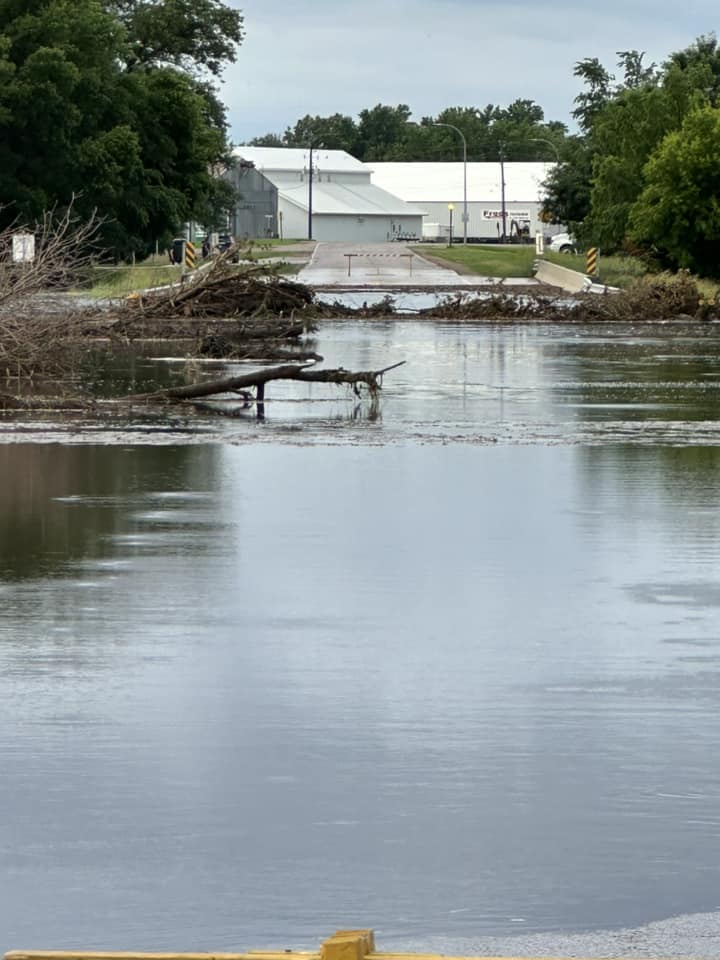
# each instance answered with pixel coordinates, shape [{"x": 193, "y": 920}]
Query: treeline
[
  {"x": 641, "y": 175},
  {"x": 112, "y": 102},
  {"x": 517, "y": 132}
]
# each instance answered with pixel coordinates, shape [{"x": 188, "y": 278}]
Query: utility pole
[
  {"x": 503, "y": 212},
  {"x": 310, "y": 197}
]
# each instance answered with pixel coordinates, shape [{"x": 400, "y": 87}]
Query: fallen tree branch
[{"x": 258, "y": 379}]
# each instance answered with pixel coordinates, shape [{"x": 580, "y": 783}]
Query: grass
[
  {"x": 121, "y": 280},
  {"x": 273, "y": 242},
  {"x": 517, "y": 261},
  {"x": 485, "y": 259},
  {"x": 266, "y": 249}
]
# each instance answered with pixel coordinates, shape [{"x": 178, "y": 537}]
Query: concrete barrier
[{"x": 569, "y": 280}]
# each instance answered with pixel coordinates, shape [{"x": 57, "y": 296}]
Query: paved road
[{"x": 348, "y": 265}]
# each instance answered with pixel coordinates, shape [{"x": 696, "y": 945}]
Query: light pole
[
  {"x": 464, "y": 143},
  {"x": 549, "y": 143}
]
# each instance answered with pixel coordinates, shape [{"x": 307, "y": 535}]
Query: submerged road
[{"x": 357, "y": 265}]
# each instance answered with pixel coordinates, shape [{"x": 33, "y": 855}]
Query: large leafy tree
[
  {"x": 91, "y": 110},
  {"x": 194, "y": 35},
  {"x": 677, "y": 214},
  {"x": 622, "y": 123}
]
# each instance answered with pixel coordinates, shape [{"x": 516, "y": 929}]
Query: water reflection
[
  {"x": 649, "y": 384},
  {"x": 254, "y": 691},
  {"x": 56, "y": 505}
]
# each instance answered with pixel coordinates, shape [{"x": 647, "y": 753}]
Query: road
[{"x": 352, "y": 265}]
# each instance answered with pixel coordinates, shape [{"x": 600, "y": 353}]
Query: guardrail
[{"x": 342, "y": 945}]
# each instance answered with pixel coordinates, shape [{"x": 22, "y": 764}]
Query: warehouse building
[
  {"x": 437, "y": 187},
  {"x": 278, "y": 190}
]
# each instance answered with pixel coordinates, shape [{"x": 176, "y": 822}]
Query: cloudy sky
[{"x": 328, "y": 56}]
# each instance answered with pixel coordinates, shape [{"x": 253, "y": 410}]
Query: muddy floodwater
[{"x": 449, "y": 668}]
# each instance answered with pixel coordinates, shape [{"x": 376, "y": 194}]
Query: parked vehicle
[{"x": 562, "y": 243}]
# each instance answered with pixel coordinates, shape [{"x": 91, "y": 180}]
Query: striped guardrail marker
[
  {"x": 190, "y": 257},
  {"x": 591, "y": 261}
]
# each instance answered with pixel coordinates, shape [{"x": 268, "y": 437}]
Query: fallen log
[
  {"x": 258, "y": 379},
  {"x": 195, "y": 391}
]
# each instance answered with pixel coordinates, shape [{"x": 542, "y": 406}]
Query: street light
[
  {"x": 464, "y": 143},
  {"x": 549, "y": 143}
]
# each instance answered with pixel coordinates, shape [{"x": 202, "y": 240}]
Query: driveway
[{"x": 350, "y": 265}]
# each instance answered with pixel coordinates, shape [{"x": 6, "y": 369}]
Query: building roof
[
  {"x": 359, "y": 200},
  {"x": 294, "y": 159},
  {"x": 443, "y": 182}
]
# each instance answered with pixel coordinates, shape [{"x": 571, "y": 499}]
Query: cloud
[{"x": 322, "y": 57}]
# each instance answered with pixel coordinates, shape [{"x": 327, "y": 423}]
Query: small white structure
[
  {"x": 345, "y": 204},
  {"x": 434, "y": 186}
]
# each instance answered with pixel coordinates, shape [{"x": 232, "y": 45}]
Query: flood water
[{"x": 444, "y": 668}]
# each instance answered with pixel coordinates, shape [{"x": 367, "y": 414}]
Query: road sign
[{"x": 591, "y": 261}]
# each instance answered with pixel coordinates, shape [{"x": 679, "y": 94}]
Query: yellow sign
[
  {"x": 190, "y": 259},
  {"x": 591, "y": 261}
]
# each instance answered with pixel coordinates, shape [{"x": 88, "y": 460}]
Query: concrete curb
[{"x": 571, "y": 281}]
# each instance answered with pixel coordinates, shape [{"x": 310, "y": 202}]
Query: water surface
[{"x": 448, "y": 672}]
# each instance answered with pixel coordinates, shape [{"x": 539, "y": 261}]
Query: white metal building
[
  {"x": 346, "y": 205},
  {"x": 433, "y": 186}
]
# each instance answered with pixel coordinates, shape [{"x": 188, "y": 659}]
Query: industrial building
[
  {"x": 508, "y": 194},
  {"x": 283, "y": 195}
]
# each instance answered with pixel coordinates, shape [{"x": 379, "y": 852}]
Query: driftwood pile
[
  {"x": 226, "y": 294},
  {"x": 644, "y": 301},
  {"x": 227, "y": 313}
]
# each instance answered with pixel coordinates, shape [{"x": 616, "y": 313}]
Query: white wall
[
  {"x": 346, "y": 227},
  {"x": 294, "y": 221}
]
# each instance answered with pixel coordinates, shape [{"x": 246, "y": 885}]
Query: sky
[{"x": 326, "y": 56}]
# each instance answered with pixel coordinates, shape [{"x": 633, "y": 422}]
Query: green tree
[
  {"x": 337, "y": 132},
  {"x": 193, "y": 35},
  {"x": 625, "y": 133},
  {"x": 623, "y": 123},
  {"x": 568, "y": 185},
  {"x": 381, "y": 132},
  {"x": 677, "y": 214},
  {"x": 82, "y": 114}
]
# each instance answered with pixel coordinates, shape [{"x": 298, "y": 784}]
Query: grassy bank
[
  {"x": 517, "y": 261},
  {"x": 123, "y": 279},
  {"x": 484, "y": 259}
]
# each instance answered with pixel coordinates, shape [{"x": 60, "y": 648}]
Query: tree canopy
[
  {"x": 112, "y": 103},
  {"x": 677, "y": 214},
  {"x": 381, "y": 133},
  {"x": 609, "y": 190}
]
